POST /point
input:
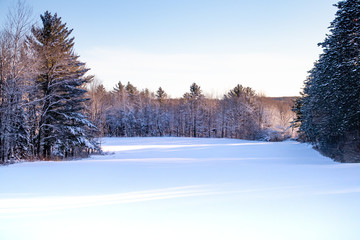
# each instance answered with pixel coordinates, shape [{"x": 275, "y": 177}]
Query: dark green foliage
[
  {"x": 329, "y": 109},
  {"x": 62, "y": 129}
]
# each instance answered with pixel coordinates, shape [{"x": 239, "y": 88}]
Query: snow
[{"x": 183, "y": 188}]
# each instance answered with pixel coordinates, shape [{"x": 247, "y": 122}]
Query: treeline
[
  {"x": 127, "y": 111},
  {"x": 50, "y": 108},
  {"x": 328, "y": 112},
  {"x": 41, "y": 90}
]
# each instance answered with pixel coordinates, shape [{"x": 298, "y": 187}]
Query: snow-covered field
[{"x": 183, "y": 188}]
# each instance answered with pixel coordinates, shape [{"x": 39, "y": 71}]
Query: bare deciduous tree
[{"x": 14, "y": 72}]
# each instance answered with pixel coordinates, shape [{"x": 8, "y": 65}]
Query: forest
[
  {"x": 42, "y": 94},
  {"x": 241, "y": 113},
  {"x": 328, "y": 111},
  {"x": 51, "y": 108}
]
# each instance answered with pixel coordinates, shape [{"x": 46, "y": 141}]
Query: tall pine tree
[
  {"x": 61, "y": 128},
  {"x": 329, "y": 110}
]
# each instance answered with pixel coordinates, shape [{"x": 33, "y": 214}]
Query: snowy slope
[{"x": 183, "y": 188}]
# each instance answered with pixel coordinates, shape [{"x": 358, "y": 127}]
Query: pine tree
[
  {"x": 116, "y": 115},
  {"x": 162, "y": 119},
  {"x": 161, "y": 95},
  {"x": 330, "y": 107},
  {"x": 131, "y": 91},
  {"x": 240, "y": 113},
  {"x": 193, "y": 100},
  {"x": 62, "y": 128},
  {"x": 119, "y": 88}
]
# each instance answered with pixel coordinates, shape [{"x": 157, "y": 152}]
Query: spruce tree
[
  {"x": 62, "y": 128},
  {"x": 330, "y": 105}
]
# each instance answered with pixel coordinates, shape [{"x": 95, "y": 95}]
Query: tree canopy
[{"x": 329, "y": 110}]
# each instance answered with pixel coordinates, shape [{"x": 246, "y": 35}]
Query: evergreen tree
[
  {"x": 131, "y": 91},
  {"x": 330, "y": 107},
  {"x": 193, "y": 99},
  {"x": 162, "y": 118},
  {"x": 240, "y": 113},
  {"x": 161, "y": 95},
  {"x": 62, "y": 128},
  {"x": 119, "y": 88}
]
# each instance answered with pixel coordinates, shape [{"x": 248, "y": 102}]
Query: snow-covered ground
[{"x": 183, "y": 188}]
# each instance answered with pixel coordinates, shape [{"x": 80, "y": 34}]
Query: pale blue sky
[{"x": 267, "y": 45}]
